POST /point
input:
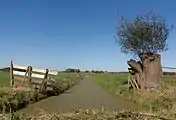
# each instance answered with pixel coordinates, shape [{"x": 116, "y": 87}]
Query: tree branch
[{"x": 136, "y": 66}]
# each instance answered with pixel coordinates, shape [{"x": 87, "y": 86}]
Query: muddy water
[{"x": 84, "y": 95}]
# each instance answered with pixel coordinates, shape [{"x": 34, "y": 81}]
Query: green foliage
[{"x": 145, "y": 34}]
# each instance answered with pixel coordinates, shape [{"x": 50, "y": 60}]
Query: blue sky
[{"x": 59, "y": 34}]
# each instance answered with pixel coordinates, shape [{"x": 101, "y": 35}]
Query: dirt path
[{"x": 84, "y": 95}]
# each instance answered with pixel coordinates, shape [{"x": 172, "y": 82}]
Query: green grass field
[
  {"x": 5, "y": 78},
  {"x": 122, "y": 79},
  {"x": 170, "y": 80},
  {"x": 115, "y": 83},
  {"x": 111, "y": 82},
  {"x": 156, "y": 102}
]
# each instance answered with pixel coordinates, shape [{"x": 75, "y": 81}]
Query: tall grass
[{"x": 14, "y": 101}]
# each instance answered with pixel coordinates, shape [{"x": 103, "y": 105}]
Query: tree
[{"x": 145, "y": 36}]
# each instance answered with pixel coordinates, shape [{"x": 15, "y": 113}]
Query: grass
[
  {"x": 4, "y": 79},
  {"x": 118, "y": 82},
  {"x": 88, "y": 114},
  {"x": 158, "y": 102},
  {"x": 170, "y": 80},
  {"x": 14, "y": 101},
  {"x": 112, "y": 82},
  {"x": 11, "y": 101},
  {"x": 67, "y": 76}
]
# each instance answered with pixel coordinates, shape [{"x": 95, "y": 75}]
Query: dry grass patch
[{"x": 89, "y": 114}]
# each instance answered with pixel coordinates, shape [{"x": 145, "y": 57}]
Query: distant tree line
[
  {"x": 95, "y": 71},
  {"x": 5, "y": 69},
  {"x": 92, "y": 71},
  {"x": 72, "y": 70},
  {"x": 169, "y": 73}
]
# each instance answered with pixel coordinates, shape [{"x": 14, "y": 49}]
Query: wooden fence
[
  {"x": 28, "y": 76},
  {"x": 169, "y": 69},
  {"x": 132, "y": 79}
]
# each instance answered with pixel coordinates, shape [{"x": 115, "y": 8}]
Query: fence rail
[
  {"x": 169, "y": 69},
  {"x": 28, "y": 76}
]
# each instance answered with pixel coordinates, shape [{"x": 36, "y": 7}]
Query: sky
[{"x": 60, "y": 34}]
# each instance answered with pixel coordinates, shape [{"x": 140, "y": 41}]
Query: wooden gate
[{"x": 28, "y": 76}]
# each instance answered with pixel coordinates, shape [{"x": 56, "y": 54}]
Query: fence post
[
  {"x": 11, "y": 74},
  {"x": 45, "y": 78},
  {"x": 46, "y": 74},
  {"x": 26, "y": 73},
  {"x": 29, "y": 75}
]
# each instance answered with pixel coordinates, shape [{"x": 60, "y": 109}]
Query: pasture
[
  {"x": 5, "y": 78},
  {"x": 114, "y": 81},
  {"x": 161, "y": 102}
]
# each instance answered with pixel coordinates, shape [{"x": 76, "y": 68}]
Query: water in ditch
[{"x": 84, "y": 95}]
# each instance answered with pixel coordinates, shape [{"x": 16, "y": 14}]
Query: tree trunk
[{"x": 149, "y": 70}]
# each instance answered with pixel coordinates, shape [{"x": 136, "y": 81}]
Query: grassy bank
[
  {"x": 161, "y": 102},
  {"x": 88, "y": 114},
  {"x": 11, "y": 101}
]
